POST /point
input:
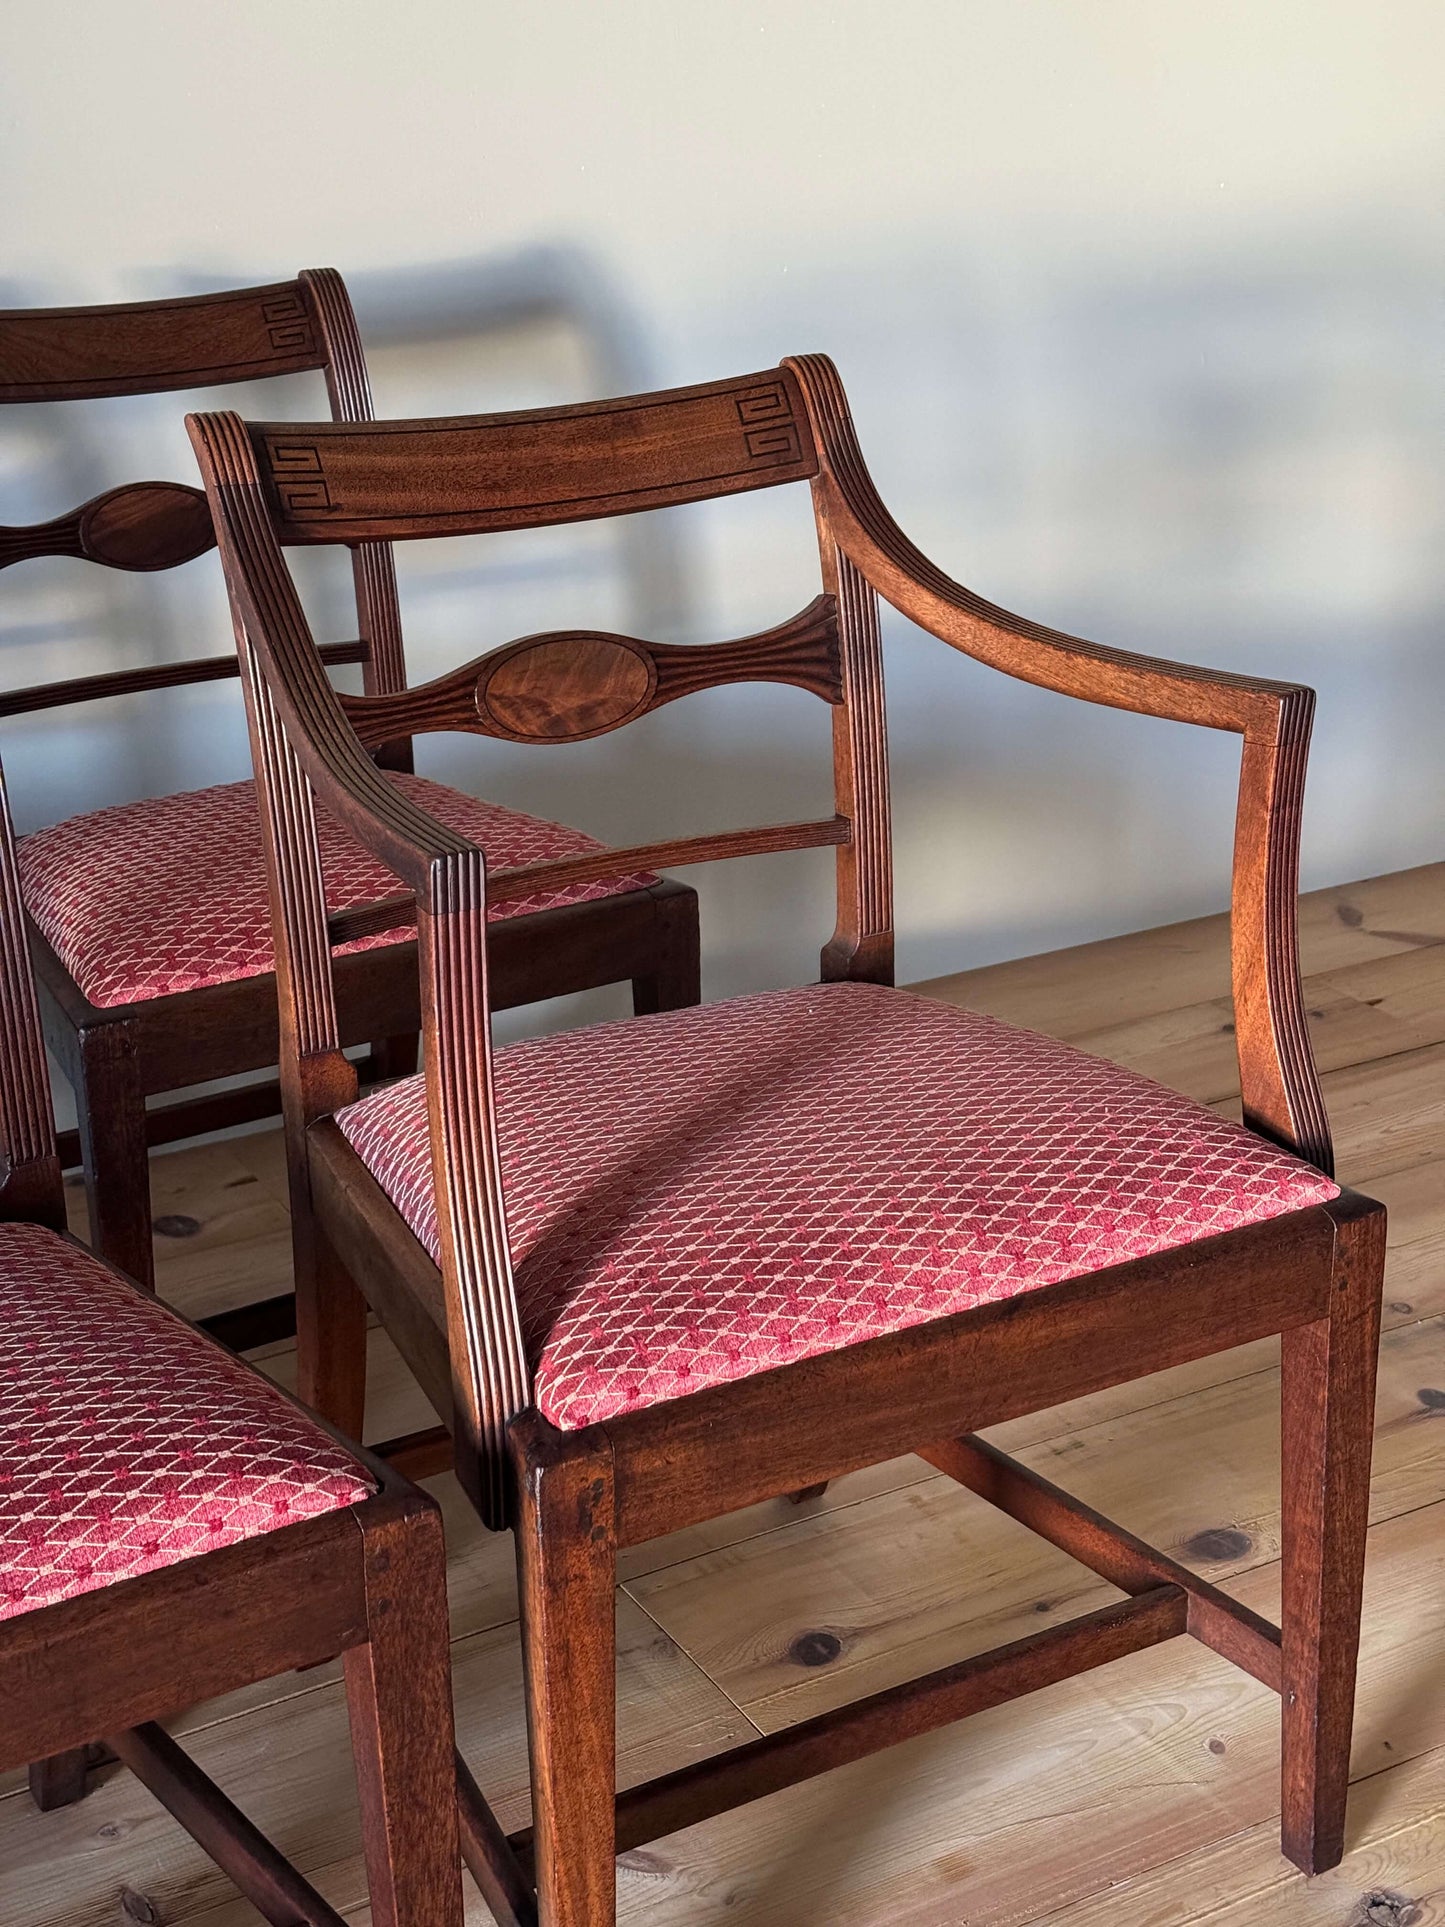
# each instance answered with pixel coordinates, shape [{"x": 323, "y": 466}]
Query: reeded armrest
[
  {"x": 918, "y": 589},
  {"x": 1149, "y": 685},
  {"x": 1278, "y": 1081}
]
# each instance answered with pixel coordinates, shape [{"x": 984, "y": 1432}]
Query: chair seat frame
[{"x": 573, "y": 1499}]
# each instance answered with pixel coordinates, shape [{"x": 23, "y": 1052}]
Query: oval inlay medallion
[
  {"x": 146, "y": 525},
  {"x": 560, "y": 688}
]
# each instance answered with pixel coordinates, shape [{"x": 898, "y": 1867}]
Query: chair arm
[
  {"x": 1278, "y": 1081},
  {"x": 866, "y": 532}
]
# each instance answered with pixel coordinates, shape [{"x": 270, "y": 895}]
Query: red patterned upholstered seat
[
  {"x": 145, "y": 899},
  {"x": 702, "y": 1195},
  {"x": 128, "y": 1441}
]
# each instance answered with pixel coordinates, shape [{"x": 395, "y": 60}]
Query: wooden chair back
[
  {"x": 272, "y": 485},
  {"x": 197, "y": 341}
]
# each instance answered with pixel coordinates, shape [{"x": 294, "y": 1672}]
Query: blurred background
[{"x": 1138, "y": 306}]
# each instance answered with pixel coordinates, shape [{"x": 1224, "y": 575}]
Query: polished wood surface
[
  {"x": 1142, "y": 1793},
  {"x": 148, "y": 347}
]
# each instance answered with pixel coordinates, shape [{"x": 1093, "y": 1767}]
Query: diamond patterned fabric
[
  {"x": 705, "y": 1194},
  {"x": 146, "y": 899},
  {"x": 129, "y": 1442}
]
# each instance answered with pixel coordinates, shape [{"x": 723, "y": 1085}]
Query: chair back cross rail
[{"x": 272, "y": 485}]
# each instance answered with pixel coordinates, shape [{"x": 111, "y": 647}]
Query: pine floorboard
[{"x": 1139, "y": 1795}]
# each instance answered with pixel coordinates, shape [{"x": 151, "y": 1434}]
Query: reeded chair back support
[{"x": 272, "y": 485}]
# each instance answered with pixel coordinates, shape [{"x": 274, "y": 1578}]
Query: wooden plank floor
[{"x": 1139, "y": 1795}]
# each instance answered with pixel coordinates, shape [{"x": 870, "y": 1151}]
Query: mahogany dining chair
[
  {"x": 653, "y": 1271},
  {"x": 151, "y": 928},
  {"x": 173, "y": 1526}
]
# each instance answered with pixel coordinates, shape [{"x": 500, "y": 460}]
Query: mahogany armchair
[
  {"x": 653, "y": 1271},
  {"x": 172, "y": 1526},
  {"x": 151, "y": 928}
]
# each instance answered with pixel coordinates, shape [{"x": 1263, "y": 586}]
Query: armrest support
[{"x": 1278, "y": 1081}]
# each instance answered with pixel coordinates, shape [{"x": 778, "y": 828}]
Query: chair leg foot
[
  {"x": 1328, "y": 1395},
  {"x": 60, "y": 1780},
  {"x": 567, "y": 1565}
]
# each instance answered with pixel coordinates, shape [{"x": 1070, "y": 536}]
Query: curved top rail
[
  {"x": 148, "y": 347},
  {"x": 470, "y": 474}
]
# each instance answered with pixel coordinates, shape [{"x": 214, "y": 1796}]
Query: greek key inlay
[
  {"x": 770, "y": 434},
  {"x": 288, "y": 326},
  {"x": 297, "y": 477}
]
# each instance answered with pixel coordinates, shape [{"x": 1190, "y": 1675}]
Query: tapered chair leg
[
  {"x": 567, "y": 1564},
  {"x": 330, "y": 1333},
  {"x": 112, "y": 1117},
  {"x": 399, "y": 1696},
  {"x": 1328, "y": 1394}
]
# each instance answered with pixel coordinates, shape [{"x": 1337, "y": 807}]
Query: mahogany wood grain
[
  {"x": 240, "y": 1850},
  {"x": 401, "y": 1721},
  {"x": 30, "y": 1185},
  {"x": 418, "y": 1455},
  {"x": 473, "y": 475},
  {"x": 139, "y": 526},
  {"x": 570, "y": 685},
  {"x": 130, "y": 682},
  {"x": 574, "y": 1499},
  {"x": 567, "y": 1576},
  {"x": 560, "y": 873},
  {"x": 490, "y": 1858},
  {"x": 148, "y": 347}
]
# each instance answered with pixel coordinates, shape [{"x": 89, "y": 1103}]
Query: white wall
[{"x": 1137, "y": 304}]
